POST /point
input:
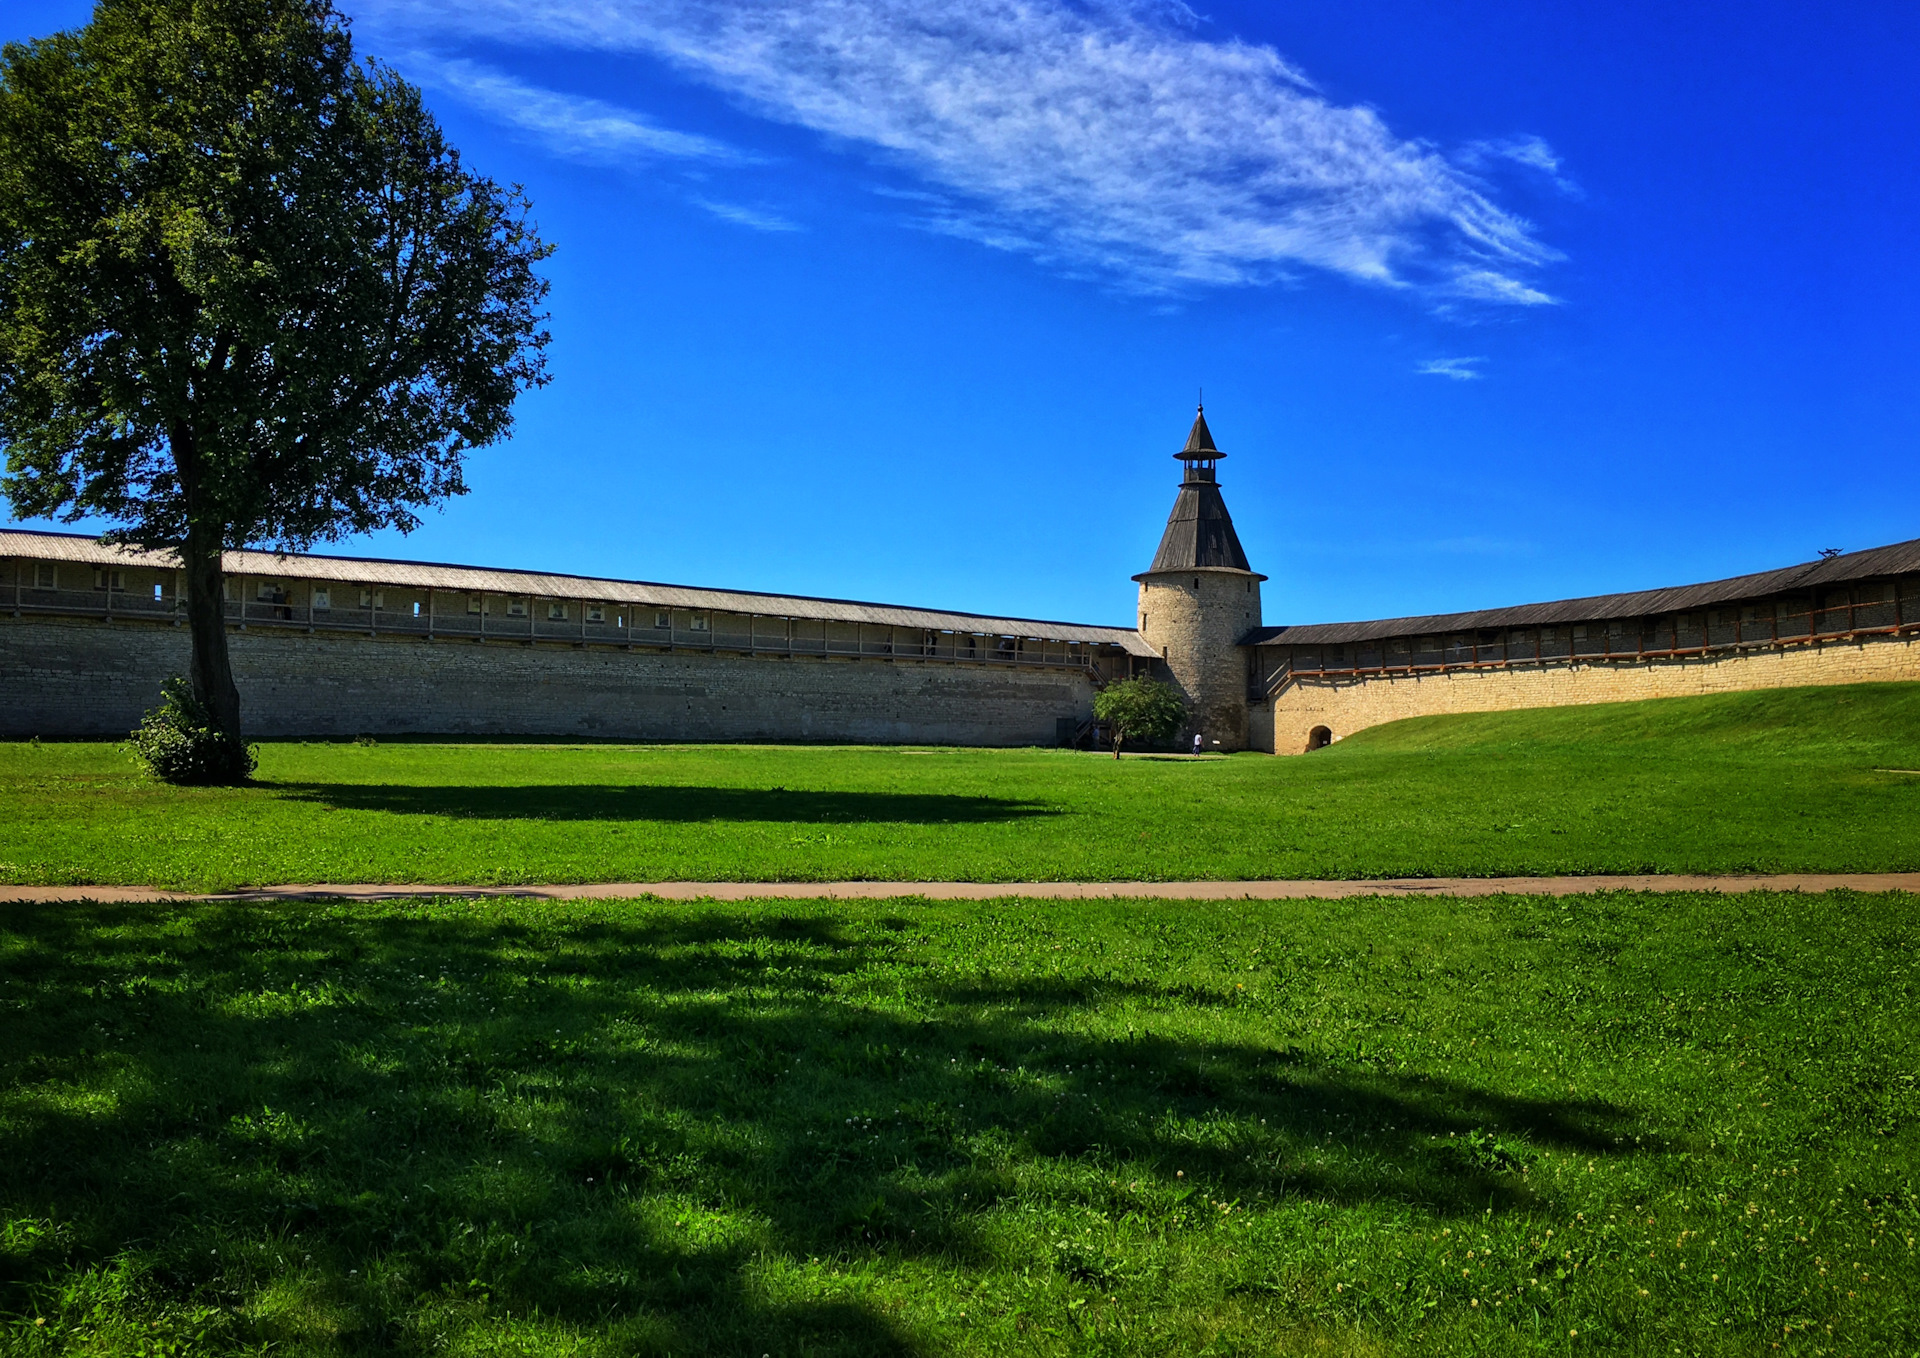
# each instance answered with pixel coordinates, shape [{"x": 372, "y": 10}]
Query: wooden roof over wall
[
  {"x": 477, "y": 580},
  {"x": 1900, "y": 558}
]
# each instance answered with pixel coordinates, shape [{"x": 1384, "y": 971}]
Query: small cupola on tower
[
  {"x": 1200, "y": 597},
  {"x": 1199, "y": 531}
]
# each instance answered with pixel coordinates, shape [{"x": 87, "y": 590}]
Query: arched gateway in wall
[{"x": 330, "y": 646}]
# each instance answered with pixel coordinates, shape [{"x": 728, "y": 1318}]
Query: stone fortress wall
[
  {"x": 339, "y": 646},
  {"x": 1343, "y": 705},
  {"x": 332, "y": 647},
  {"x": 87, "y": 677},
  {"x": 1852, "y": 619}
]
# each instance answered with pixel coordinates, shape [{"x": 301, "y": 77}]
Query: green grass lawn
[
  {"x": 1619, "y": 1124},
  {"x": 1782, "y": 780}
]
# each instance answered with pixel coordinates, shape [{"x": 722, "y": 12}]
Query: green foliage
[
  {"x": 1789, "y": 780},
  {"x": 177, "y": 743},
  {"x": 243, "y": 276},
  {"x": 1614, "y": 1124},
  {"x": 248, "y": 294},
  {"x": 1141, "y": 710}
]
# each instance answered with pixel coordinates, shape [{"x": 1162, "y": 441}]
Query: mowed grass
[
  {"x": 1620, "y": 1124},
  {"x": 1786, "y": 780}
]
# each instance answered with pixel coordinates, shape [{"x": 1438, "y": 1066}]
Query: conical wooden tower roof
[{"x": 1199, "y": 531}]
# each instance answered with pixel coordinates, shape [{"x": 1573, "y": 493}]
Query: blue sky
[{"x": 909, "y": 301}]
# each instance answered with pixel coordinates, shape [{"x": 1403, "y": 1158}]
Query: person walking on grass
[{"x": 1196, "y": 744}]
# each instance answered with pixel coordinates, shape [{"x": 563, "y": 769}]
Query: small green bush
[{"x": 178, "y": 743}]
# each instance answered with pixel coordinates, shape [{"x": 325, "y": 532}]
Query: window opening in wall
[
  {"x": 322, "y": 600},
  {"x": 596, "y": 613},
  {"x": 156, "y": 592},
  {"x": 416, "y": 608},
  {"x": 662, "y": 619},
  {"x": 373, "y": 598},
  {"x": 702, "y": 622},
  {"x": 476, "y": 602},
  {"x": 556, "y": 612},
  {"x": 105, "y": 579},
  {"x": 1318, "y": 739},
  {"x": 1196, "y": 582},
  {"x": 516, "y": 608},
  {"x": 46, "y": 575}
]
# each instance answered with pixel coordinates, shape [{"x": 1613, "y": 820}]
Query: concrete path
[{"x": 981, "y": 891}]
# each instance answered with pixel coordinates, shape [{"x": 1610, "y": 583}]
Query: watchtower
[{"x": 1199, "y": 598}]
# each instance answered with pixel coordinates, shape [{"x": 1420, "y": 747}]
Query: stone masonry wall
[
  {"x": 1347, "y": 705},
  {"x": 79, "y": 677},
  {"x": 1197, "y": 631}
]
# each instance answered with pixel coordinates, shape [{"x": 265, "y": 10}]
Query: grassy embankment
[
  {"x": 1616, "y": 1124},
  {"x": 1786, "y": 780}
]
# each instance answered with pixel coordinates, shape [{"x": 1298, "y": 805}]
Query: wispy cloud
[
  {"x": 1490, "y": 285},
  {"x": 746, "y": 216},
  {"x": 1100, "y": 134},
  {"x": 569, "y": 125},
  {"x": 1459, "y": 369},
  {"x": 1529, "y": 151}
]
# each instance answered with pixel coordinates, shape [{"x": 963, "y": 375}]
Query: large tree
[{"x": 248, "y": 294}]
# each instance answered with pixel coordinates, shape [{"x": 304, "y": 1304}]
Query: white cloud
[
  {"x": 583, "y": 129},
  {"x": 1459, "y": 369},
  {"x": 1532, "y": 152},
  {"x": 1103, "y": 134},
  {"x": 746, "y": 216},
  {"x": 1490, "y": 285}
]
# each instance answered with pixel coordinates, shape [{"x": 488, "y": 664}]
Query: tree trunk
[
  {"x": 1118, "y": 736},
  {"x": 212, "y": 672}
]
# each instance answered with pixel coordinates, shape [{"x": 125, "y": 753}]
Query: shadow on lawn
[
  {"x": 626, "y": 802},
  {"x": 616, "y": 1126}
]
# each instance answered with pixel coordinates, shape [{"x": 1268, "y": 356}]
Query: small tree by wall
[{"x": 1140, "y": 709}]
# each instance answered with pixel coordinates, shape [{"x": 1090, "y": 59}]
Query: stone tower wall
[{"x": 1194, "y": 619}]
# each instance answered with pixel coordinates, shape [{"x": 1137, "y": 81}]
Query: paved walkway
[{"x": 981, "y": 891}]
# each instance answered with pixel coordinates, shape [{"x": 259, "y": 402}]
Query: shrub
[{"x": 178, "y": 743}]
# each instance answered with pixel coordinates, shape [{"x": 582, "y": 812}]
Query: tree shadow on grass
[
  {"x": 627, "y": 802},
  {"x": 644, "y": 1125}
]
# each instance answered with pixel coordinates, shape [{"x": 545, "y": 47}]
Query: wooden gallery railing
[
  {"x": 437, "y": 614},
  {"x": 1751, "y": 626}
]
